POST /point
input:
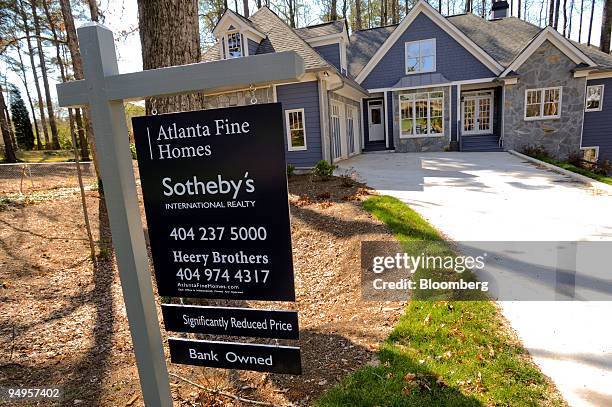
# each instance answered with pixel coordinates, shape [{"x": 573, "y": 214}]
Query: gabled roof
[
  {"x": 320, "y": 30},
  {"x": 422, "y": 7},
  {"x": 229, "y": 14},
  {"x": 504, "y": 39},
  {"x": 553, "y": 36},
  {"x": 363, "y": 46}
]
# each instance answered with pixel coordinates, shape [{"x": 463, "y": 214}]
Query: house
[{"x": 429, "y": 83}]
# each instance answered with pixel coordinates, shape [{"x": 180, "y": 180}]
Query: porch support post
[
  {"x": 386, "y": 114},
  {"x": 459, "y": 117}
]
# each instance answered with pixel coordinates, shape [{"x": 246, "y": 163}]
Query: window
[
  {"x": 234, "y": 45},
  {"x": 544, "y": 103},
  {"x": 594, "y": 98},
  {"x": 421, "y": 56},
  {"x": 296, "y": 129},
  {"x": 421, "y": 114}
]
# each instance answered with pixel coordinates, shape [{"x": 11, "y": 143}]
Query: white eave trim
[
  {"x": 328, "y": 39},
  {"x": 550, "y": 34},
  {"x": 600, "y": 75},
  {"x": 442, "y": 22},
  {"x": 229, "y": 18}
]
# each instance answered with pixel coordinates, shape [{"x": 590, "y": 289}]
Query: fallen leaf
[{"x": 132, "y": 400}]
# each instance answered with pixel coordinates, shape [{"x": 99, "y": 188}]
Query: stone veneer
[
  {"x": 238, "y": 98},
  {"x": 547, "y": 67},
  {"x": 422, "y": 144}
]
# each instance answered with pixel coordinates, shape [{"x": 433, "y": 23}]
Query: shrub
[
  {"x": 133, "y": 150},
  {"x": 538, "y": 152},
  {"x": 348, "y": 177},
  {"x": 323, "y": 170},
  {"x": 290, "y": 169}
]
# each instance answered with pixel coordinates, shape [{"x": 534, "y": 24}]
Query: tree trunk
[
  {"x": 245, "y": 8},
  {"x": 161, "y": 23},
  {"x": 93, "y": 10},
  {"x": 591, "y": 22},
  {"x": 333, "y": 10},
  {"x": 9, "y": 149},
  {"x": 606, "y": 27},
  {"x": 565, "y": 18},
  {"x": 557, "y": 6},
  {"x": 468, "y": 6},
  {"x": 258, "y": 4},
  {"x": 77, "y": 70},
  {"x": 551, "y": 13},
  {"x": 41, "y": 111},
  {"x": 518, "y": 15},
  {"x": 60, "y": 62},
  {"x": 291, "y": 13},
  {"x": 43, "y": 69},
  {"x": 358, "y": 15},
  {"x": 570, "y": 18},
  {"x": 24, "y": 80},
  {"x": 580, "y": 26}
]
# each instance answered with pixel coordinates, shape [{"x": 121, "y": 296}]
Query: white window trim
[
  {"x": 435, "y": 55},
  {"x": 600, "y": 99},
  {"x": 541, "y": 116},
  {"x": 288, "y": 129},
  {"x": 412, "y": 135},
  {"x": 244, "y": 47},
  {"x": 596, "y": 148}
]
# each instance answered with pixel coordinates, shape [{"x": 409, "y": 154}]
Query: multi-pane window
[
  {"x": 594, "y": 98},
  {"x": 421, "y": 56},
  {"x": 421, "y": 114},
  {"x": 296, "y": 129},
  {"x": 544, "y": 103},
  {"x": 234, "y": 45}
]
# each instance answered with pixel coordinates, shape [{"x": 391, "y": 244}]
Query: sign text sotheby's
[{"x": 215, "y": 196}]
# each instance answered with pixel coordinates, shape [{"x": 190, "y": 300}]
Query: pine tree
[{"x": 21, "y": 120}]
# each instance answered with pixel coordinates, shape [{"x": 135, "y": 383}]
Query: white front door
[
  {"x": 375, "y": 120},
  {"x": 478, "y": 114}
]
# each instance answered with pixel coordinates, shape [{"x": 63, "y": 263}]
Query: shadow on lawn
[
  {"x": 82, "y": 378},
  {"x": 363, "y": 383}
]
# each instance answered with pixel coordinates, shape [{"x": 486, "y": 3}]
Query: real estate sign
[{"x": 215, "y": 196}]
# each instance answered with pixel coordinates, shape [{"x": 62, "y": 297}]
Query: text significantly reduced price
[{"x": 215, "y": 196}]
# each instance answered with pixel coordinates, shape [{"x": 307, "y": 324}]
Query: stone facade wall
[
  {"x": 547, "y": 67},
  {"x": 422, "y": 144},
  {"x": 238, "y": 98}
]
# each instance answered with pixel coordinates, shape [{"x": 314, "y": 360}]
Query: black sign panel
[
  {"x": 241, "y": 356},
  {"x": 231, "y": 321},
  {"x": 215, "y": 194}
]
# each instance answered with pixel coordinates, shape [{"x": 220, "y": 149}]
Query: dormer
[
  {"x": 237, "y": 36},
  {"x": 330, "y": 39}
]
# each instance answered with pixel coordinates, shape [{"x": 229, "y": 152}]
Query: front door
[
  {"x": 478, "y": 114},
  {"x": 375, "y": 120}
]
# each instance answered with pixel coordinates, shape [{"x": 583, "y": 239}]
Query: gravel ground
[{"x": 63, "y": 322}]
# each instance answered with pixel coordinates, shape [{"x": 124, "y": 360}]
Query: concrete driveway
[{"x": 499, "y": 197}]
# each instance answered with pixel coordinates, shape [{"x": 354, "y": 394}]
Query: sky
[{"x": 121, "y": 16}]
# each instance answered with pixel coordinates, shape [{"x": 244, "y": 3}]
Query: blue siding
[
  {"x": 253, "y": 47},
  {"x": 304, "y": 95},
  {"x": 331, "y": 53},
  {"x": 452, "y": 60},
  {"x": 597, "y": 130}
]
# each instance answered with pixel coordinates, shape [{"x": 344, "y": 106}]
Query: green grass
[
  {"x": 43, "y": 156},
  {"x": 573, "y": 168},
  {"x": 441, "y": 353}
]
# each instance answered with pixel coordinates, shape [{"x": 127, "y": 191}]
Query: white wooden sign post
[{"x": 104, "y": 90}]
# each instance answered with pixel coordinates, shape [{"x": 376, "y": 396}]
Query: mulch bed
[{"x": 63, "y": 322}]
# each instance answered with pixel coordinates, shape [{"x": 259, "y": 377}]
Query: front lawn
[{"x": 441, "y": 353}]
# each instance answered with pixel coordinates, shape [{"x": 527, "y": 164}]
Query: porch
[{"x": 461, "y": 116}]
